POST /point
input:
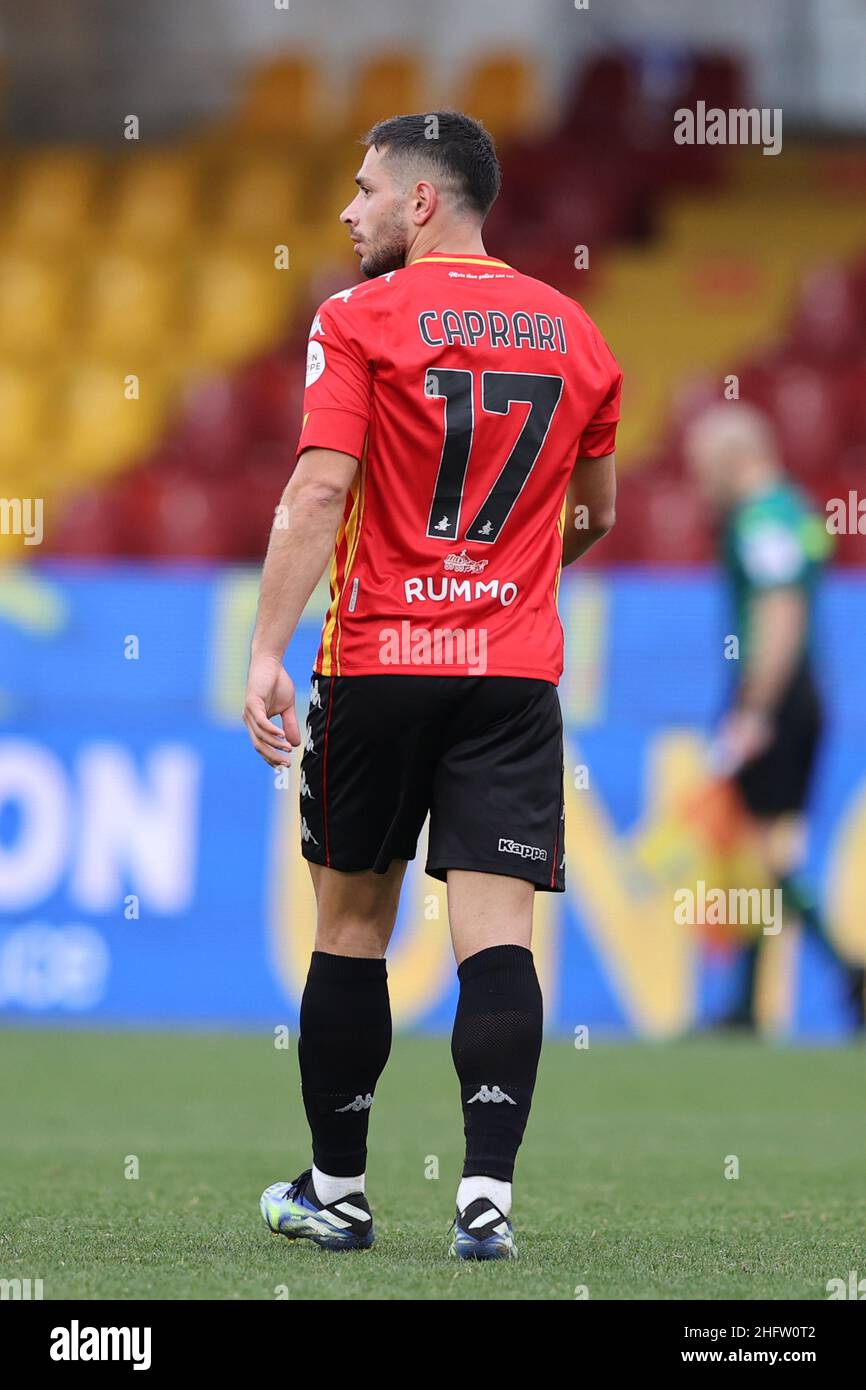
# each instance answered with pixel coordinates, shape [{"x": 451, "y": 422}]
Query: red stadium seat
[
  {"x": 827, "y": 325},
  {"x": 166, "y": 516},
  {"x": 87, "y": 526}
]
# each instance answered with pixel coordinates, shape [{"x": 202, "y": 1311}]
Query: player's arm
[
  {"x": 589, "y": 505},
  {"x": 778, "y": 623},
  {"x": 336, "y": 416},
  {"x": 300, "y": 546}
]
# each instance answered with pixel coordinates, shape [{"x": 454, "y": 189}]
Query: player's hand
[
  {"x": 271, "y": 690},
  {"x": 745, "y": 734}
]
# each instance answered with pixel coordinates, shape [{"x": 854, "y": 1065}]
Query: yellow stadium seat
[
  {"x": 258, "y": 198},
  {"x": 389, "y": 85},
  {"x": 33, "y": 295},
  {"x": 236, "y": 304},
  {"x": 100, "y": 426},
  {"x": 154, "y": 203},
  {"x": 503, "y": 92},
  {"x": 282, "y": 98},
  {"x": 129, "y": 302},
  {"x": 24, "y": 398},
  {"x": 52, "y": 197}
]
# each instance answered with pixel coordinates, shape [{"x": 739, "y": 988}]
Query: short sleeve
[
  {"x": 599, "y": 435},
  {"x": 771, "y": 554},
  {"x": 338, "y": 386}
]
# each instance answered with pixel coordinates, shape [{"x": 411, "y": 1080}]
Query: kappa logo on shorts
[
  {"x": 493, "y": 1094},
  {"x": 305, "y": 787},
  {"x": 525, "y": 851},
  {"x": 306, "y": 832},
  {"x": 309, "y": 745},
  {"x": 315, "y": 696}
]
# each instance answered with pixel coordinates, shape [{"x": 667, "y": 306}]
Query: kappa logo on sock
[
  {"x": 494, "y": 1094},
  {"x": 359, "y": 1103}
]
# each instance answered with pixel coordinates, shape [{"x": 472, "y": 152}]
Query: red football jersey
[{"x": 467, "y": 391}]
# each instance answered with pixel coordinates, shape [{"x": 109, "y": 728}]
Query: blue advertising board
[{"x": 149, "y": 864}]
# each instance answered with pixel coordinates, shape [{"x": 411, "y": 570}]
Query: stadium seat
[
  {"x": 827, "y": 325},
  {"x": 282, "y": 98},
  {"x": 98, "y": 428},
  {"x": 259, "y": 198},
  {"x": 806, "y": 407},
  {"x": 165, "y": 516},
  {"x": 33, "y": 302},
  {"x": 502, "y": 91},
  {"x": 25, "y": 398},
  {"x": 235, "y": 305},
  {"x": 717, "y": 79},
  {"x": 129, "y": 303},
  {"x": 154, "y": 203},
  {"x": 604, "y": 99},
  {"x": 86, "y": 526},
  {"x": 52, "y": 198},
  {"x": 389, "y": 83}
]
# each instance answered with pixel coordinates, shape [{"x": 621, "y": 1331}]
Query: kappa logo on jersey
[
  {"x": 315, "y": 696},
  {"x": 463, "y": 564},
  {"x": 318, "y": 327},
  {"x": 359, "y": 1103},
  {"x": 525, "y": 851},
  {"x": 306, "y": 832},
  {"x": 344, "y": 294},
  {"x": 305, "y": 787},
  {"x": 315, "y": 362},
  {"x": 494, "y": 1094}
]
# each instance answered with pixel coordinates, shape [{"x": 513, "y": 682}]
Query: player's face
[
  {"x": 708, "y": 468},
  {"x": 377, "y": 218}
]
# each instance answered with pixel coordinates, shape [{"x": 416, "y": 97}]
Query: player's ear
[{"x": 424, "y": 202}]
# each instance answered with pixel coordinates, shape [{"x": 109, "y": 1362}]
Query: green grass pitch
[{"x": 620, "y": 1182}]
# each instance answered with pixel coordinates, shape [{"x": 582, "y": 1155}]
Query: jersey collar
[{"x": 448, "y": 257}]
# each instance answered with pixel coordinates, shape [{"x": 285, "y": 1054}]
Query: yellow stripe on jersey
[
  {"x": 353, "y": 532},
  {"x": 331, "y": 615},
  {"x": 349, "y": 530},
  {"x": 560, "y": 526},
  {"x": 466, "y": 260}
]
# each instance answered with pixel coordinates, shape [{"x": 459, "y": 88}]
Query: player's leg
[
  {"x": 345, "y": 1020},
  {"x": 496, "y": 1041},
  {"x": 782, "y": 842},
  {"x": 361, "y": 813},
  {"x": 775, "y": 788},
  {"x": 496, "y": 836}
]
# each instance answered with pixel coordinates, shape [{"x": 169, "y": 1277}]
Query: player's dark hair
[{"x": 449, "y": 143}]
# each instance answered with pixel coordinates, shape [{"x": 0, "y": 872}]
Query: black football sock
[
  {"x": 343, "y": 1047},
  {"x": 495, "y": 1045},
  {"x": 799, "y": 902}
]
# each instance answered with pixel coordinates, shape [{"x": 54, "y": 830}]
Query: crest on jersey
[{"x": 463, "y": 564}]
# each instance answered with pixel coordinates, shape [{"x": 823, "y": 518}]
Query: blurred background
[{"x": 171, "y": 179}]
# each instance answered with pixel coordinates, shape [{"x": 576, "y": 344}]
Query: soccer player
[
  {"x": 774, "y": 548},
  {"x": 457, "y": 449}
]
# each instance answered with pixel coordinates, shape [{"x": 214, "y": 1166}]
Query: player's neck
[{"x": 457, "y": 243}]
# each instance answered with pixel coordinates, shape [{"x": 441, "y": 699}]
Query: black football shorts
[
  {"x": 777, "y": 782},
  {"x": 482, "y": 754}
]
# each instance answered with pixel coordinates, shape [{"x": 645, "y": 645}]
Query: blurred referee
[{"x": 773, "y": 549}]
